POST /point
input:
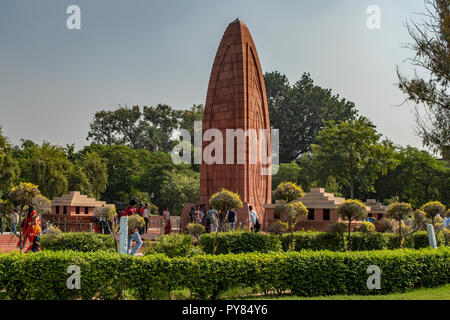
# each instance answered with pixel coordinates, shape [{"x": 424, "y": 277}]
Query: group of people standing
[
  {"x": 144, "y": 212},
  {"x": 211, "y": 219}
]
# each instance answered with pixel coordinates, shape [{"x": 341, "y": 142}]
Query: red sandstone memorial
[{"x": 236, "y": 99}]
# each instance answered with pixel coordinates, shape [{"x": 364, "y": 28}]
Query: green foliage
[
  {"x": 277, "y": 227},
  {"x": 135, "y": 221},
  {"x": 77, "y": 241},
  {"x": 366, "y": 227},
  {"x": 238, "y": 242},
  {"x": 287, "y": 172},
  {"x": 300, "y": 110},
  {"x": 434, "y": 208},
  {"x": 46, "y": 166},
  {"x": 313, "y": 240},
  {"x": 177, "y": 189},
  {"x": 172, "y": 245},
  {"x": 23, "y": 194},
  {"x": 195, "y": 230},
  {"x": 288, "y": 191},
  {"x": 351, "y": 209},
  {"x": 338, "y": 227},
  {"x": 351, "y": 152},
  {"x": 225, "y": 200},
  {"x": 105, "y": 275}
]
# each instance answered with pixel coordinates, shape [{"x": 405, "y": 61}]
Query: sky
[{"x": 144, "y": 52}]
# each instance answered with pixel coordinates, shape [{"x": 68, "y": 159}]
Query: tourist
[
  {"x": 146, "y": 215},
  {"x": 36, "y": 247},
  {"x": 28, "y": 232},
  {"x": 192, "y": 214},
  {"x": 198, "y": 218},
  {"x": 202, "y": 214},
  {"x": 14, "y": 220},
  {"x": 213, "y": 216},
  {"x": 166, "y": 222},
  {"x": 231, "y": 218},
  {"x": 255, "y": 225},
  {"x": 101, "y": 226},
  {"x": 208, "y": 221},
  {"x": 140, "y": 212},
  {"x": 133, "y": 234}
]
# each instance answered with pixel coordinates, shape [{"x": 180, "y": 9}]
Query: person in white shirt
[
  {"x": 255, "y": 225},
  {"x": 214, "y": 222}
]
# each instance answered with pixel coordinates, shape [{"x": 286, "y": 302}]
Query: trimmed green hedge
[
  {"x": 78, "y": 241},
  {"x": 239, "y": 242},
  {"x": 105, "y": 275}
]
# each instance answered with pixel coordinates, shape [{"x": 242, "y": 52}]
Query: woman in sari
[
  {"x": 166, "y": 218},
  {"x": 31, "y": 228}
]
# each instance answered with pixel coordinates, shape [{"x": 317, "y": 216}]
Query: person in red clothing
[{"x": 28, "y": 232}]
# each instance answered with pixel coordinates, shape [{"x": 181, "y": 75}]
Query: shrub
[
  {"x": 366, "y": 227},
  {"x": 105, "y": 275},
  {"x": 314, "y": 240},
  {"x": 277, "y": 227},
  {"x": 239, "y": 242},
  {"x": 195, "y": 230},
  {"x": 78, "y": 241},
  {"x": 172, "y": 245}
]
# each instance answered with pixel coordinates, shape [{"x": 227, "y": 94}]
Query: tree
[
  {"x": 288, "y": 191},
  {"x": 46, "y": 166},
  {"x": 431, "y": 43},
  {"x": 351, "y": 153},
  {"x": 78, "y": 181},
  {"x": 286, "y": 172},
  {"x": 300, "y": 111},
  {"x": 162, "y": 122},
  {"x": 418, "y": 178},
  {"x": 351, "y": 210},
  {"x": 292, "y": 209},
  {"x": 104, "y": 129},
  {"x": 123, "y": 169},
  {"x": 196, "y": 230},
  {"x": 223, "y": 201},
  {"x": 178, "y": 189},
  {"x": 189, "y": 116},
  {"x": 95, "y": 170},
  {"x": 9, "y": 169},
  {"x": 399, "y": 211},
  {"x": 435, "y": 211}
]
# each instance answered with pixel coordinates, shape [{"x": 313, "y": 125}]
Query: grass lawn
[{"x": 439, "y": 293}]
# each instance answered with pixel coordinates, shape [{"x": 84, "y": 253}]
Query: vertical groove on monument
[{"x": 236, "y": 99}]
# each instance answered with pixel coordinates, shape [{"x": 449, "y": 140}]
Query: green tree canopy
[
  {"x": 300, "y": 111},
  {"x": 352, "y": 154}
]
